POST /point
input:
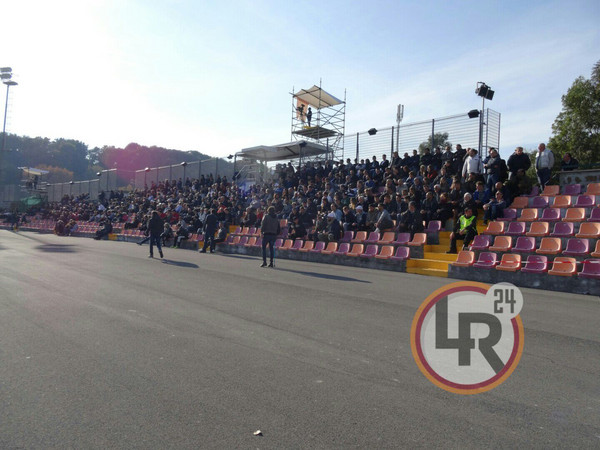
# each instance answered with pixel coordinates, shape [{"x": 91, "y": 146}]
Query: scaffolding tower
[{"x": 319, "y": 117}]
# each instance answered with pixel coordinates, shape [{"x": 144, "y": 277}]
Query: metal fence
[{"x": 457, "y": 129}]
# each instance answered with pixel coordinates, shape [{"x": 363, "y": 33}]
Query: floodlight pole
[
  {"x": 399, "y": 117},
  {"x": 8, "y": 84}
]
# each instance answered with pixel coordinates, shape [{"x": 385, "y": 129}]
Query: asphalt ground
[{"x": 101, "y": 347}]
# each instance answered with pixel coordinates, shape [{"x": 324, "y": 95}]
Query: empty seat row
[
  {"x": 571, "y": 189},
  {"x": 560, "y": 201},
  {"x": 511, "y": 262},
  {"x": 587, "y": 230},
  {"x": 525, "y": 244}
]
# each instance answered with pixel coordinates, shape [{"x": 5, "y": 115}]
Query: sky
[{"x": 216, "y": 76}]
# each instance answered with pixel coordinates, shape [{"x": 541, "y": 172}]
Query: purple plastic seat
[
  {"x": 591, "y": 269},
  {"x": 284, "y": 233},
  {"x": 370, "y": 251},
  {"x": 434, "y": 226},
  {"x": 550, "y": 215},
  {"x": 481, "y": 242},
  {"x": 278, "y": 243},
  {"x": 524, "y": 244},
  {"x": 258, "y": 242},
  {"x": 347, "y": 237},
  {"x": 515, "y": 229},
  {"x": 402, "y": 254},
  {"x": 486, "y": 260},
  {"x": 342, "y": 249},
  {"x": 298, "y": 243},
  {"x": 563, "y": 229},
  {"x": 535, "y": 191},
  {"x": 244, "y": 240},
  {"x": 319, "y": 245},
  {"x": 595, "y": 215},
  {"x": 402, "y": 239},
  {"x": 585, "y": 201},
  {"x": 539, "y": 202},
  {"x": 373, "y": 238},
  {"x": 577, "y": 247},
  {"x": 509, "y": 214},
  {"x": 572, "y": 189},
  {"x": 535, "y": 264}
]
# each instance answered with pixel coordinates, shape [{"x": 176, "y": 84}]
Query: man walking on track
[
  {"x": 269, "y": 228},
  {"x": 155, "y": 227},
  {"x": 210, "y": 227}
]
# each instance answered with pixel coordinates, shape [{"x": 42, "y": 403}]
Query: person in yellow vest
[{"x": 465, "y": 229}]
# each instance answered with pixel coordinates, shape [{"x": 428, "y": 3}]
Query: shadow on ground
[
  {"x": 179, "y": 264},
  {"x": 56, "y": 248},
  {"x": 323, "y": 275}
]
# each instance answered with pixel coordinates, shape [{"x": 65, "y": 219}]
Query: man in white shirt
[
  {"x": 472, "y": 164},
  {"x": 544, "y": 162}
]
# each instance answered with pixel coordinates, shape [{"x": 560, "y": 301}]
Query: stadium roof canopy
[
  {"x": 317, "y": 97},
  {"x": 281, "y": 152},
  {"x": 31, "y": 171}
]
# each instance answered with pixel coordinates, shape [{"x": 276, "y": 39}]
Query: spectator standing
[
  {"x": 544, "y": 162},
  {"x": 493, "y": 168},
  {"x": 472, "y": 164},
  {"x": 518, "y": 160},
  {"x": 210, "y": 227},
  {"x": 155, "y": 228},
  {"x": 269, "y": 228}
]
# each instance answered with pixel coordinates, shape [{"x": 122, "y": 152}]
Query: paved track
[{"x": 101, "y": 347}]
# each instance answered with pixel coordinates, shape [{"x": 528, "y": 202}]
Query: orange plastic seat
[
  {"x": 551, "y": 191},
  {"x": 562, "y": 201},
  {"x": 593, "y": 189},
  {"x": 528, "y": 215},
  {"x": 510, "y": 262},
  {"x": 589, "y": 230},
  {"x": 359, "y": 237},
  {"x": 496, "y": 228},
  {"x": 538, "y": 229},
  {"x": 251, "y": 242},
  {"x": 563, "y": 266},
  {"x": 575, "y": 215},
  {"x": 386, "y": 252},
  {"x": 245, "y": 231},
  {"x": 465, "y": 258},
  {"x": 357, "y": 250},
  {"x": 387, "y": 238},
  {"x": 550, "y": 246},
  {"x": 501, "y": 244},
  {"x": 418, "y": 240},
  {"x": 331, "y": 247},
  {"x": 520, "y": 202},
  {"x": 287, "y": 244},
  {"x": 308, "y": 246},
  {"x": 236, "y": 240},
  {"x": 596, "y": 252}
]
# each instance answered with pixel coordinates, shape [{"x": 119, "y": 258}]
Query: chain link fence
[{"x": 457, "y": 129}]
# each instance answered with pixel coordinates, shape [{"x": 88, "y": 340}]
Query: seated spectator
[
  {"x": 59, "y": 228},
  {"x": 465, "y": 229},
  {"x": 429, "y": 207},
  {"x": 333, "y": 231},
  {"x": 481, "y": 196},
  {"x": 410, "y": 221},
  {"x": 166, "y": 234},
  {"x": 182, "y": 234},
  {"x": 444, "y": 211},
  {"x": 361, "y": 218},
  {"x": 349, "y": 222},
  {"x": 384, "y": 220},
  {"x": 105, "y": 231},
  {"x": 467, "y": 202},
  {"x": 372, "y": 216},
  {"x": 296, "y": 229},
  {"x": 494, "y": 209},
  {"x": 569, "y": 163}
]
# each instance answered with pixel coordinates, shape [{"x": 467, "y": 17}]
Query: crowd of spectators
[{"x": 321, "y": 200}]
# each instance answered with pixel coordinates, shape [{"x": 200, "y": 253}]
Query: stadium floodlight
[
  {"x": 6, "y": 75},
  {"x": 473, "y": 113},
  {"x": 483, "y": 90},
  {"x": 372, "y": 131}
]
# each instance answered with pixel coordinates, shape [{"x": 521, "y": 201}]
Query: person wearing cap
[{"x": 361, "y": 218}]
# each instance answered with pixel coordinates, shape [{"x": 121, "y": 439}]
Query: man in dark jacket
[
  {"x": 155, "y": 228},
  {"x": 518, "y": 160},
  {"x": 269, "y": 229},
  {"x": 210, "y": 227}
]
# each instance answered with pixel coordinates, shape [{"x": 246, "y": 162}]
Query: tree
[
  {"x": 440, "y": 139},
  {"x": 577, "y": 128}
]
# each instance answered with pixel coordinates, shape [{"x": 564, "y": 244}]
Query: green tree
[
  {"x": 440, "y": 139},
  {"x": 577, "y": 128}
]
